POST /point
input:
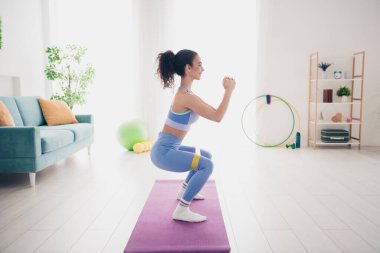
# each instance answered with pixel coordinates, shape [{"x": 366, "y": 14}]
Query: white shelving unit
[{"x": 354, "y": 79}]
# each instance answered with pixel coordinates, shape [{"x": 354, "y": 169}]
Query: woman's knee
[
  {"x": 206, "y": 165},
  {"x": 205, "y": 153}
]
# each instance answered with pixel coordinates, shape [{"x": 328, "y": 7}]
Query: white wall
[
  {"x": 23, "y": 45},
  {"x": 291, "y": 29}
]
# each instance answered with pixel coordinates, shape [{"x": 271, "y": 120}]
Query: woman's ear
[{"x": 187, "y": 68}]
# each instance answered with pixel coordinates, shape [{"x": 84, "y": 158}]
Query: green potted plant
[
  {"x": 65, "y": 66},
  {"x": 344, "y": 92},
  {"x": 324, "y": 66}
]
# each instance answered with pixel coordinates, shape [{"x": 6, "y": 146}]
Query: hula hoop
[{"x": 291, "y": 108}]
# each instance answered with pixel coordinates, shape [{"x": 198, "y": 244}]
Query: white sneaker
[{"x": 185, "y": 214}]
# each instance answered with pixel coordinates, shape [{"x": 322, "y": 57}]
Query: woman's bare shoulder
[
  {"x": 181, "y": 102},
  {"x": 183, "y": 98}
]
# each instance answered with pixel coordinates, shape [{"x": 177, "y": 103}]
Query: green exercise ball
[{"x": 129, "y": 133}]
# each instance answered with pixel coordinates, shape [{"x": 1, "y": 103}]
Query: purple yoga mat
[{"x": 156, "y": 231}]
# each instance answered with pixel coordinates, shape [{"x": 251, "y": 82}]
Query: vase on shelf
[
  {"x": 344, "y": 99},
  {"x": 324, "y": 75}
]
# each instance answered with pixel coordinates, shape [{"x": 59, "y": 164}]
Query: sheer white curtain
[
  {"x": 224, "y": 33},
  {"x": 111, "y": 32}
]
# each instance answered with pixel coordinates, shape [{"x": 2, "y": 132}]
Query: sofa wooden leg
[
  {"x": 32, "y": 179},
  {"x": 89, "y": 150}
]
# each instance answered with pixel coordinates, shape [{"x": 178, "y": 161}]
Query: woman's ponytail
[{"x": 166, "y": 68}]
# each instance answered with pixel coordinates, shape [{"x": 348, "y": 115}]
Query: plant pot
[
  {"x": 324, "y": 75},
  {"x": 344, "y": 99}
]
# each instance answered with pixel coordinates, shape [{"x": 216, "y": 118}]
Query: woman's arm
[
  {"x": 205, "y": 110},
  {"x": 205, "y": 103}
]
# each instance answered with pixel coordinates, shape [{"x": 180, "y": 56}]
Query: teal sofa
[{"x": 31, "y": 145}]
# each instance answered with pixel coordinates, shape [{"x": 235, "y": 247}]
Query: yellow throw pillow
[
  {"x": 6, "y": 118},
  {"x": 56, "y": 112}
]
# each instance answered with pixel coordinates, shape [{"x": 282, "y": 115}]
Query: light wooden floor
[{"x": 273, "y": 200}]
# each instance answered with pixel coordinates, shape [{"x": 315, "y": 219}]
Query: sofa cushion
[
  {"x": 5, "y": 116},
  {"x": 56, "y": 112},
  {"x": 30, "y": 111},
  {"x": 10, "y": 103},
  {"x": 54, "y": 139},
  {"x": 81, "y": 130}
]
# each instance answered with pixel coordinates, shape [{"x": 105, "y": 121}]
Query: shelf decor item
[
  {"x": 344, "y": 92},
  {"x": 339, "y": 74},
  {"x": 337, "y": 117},
  {"x": 335, "y": 135},
  {"x": 327, "y": 96},
  {"x": 65, "y": 66},
  {"x": 324, "y": 66}
]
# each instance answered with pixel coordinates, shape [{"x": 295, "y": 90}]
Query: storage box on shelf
[{"x": 328, "y": 112}]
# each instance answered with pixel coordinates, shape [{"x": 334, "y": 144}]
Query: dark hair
[{"x": 170, "y": 64}]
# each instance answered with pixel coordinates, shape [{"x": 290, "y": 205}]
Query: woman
[{"x": 167, "y": 153}]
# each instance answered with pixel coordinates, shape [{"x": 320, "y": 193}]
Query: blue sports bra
[{"x": 181, "y": 121}]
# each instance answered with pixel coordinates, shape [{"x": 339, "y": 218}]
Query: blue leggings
[{"x": 168, "y": 154}]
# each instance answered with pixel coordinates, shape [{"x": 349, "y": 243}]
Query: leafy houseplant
[
  {"x": 65, "y": 66},
  {"x": 343, "y": 92},
  {"x": 324, "y": 66}
]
